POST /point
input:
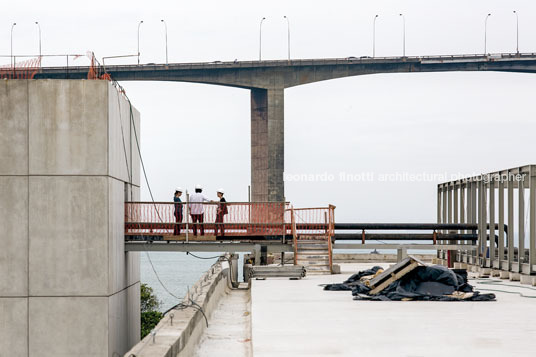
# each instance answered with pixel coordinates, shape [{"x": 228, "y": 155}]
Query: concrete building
[{"x": 68, "y": 161}]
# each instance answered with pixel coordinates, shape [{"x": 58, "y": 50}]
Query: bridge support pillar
[{"x": 267, "y": 144}]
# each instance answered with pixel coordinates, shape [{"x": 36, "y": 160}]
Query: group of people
[{"x": 197, "y": 210}]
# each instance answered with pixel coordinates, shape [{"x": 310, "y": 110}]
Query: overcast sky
[{"x": 420, "y": 123}]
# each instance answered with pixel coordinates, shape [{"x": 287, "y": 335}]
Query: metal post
[
  {"x": 532, "y": 219},
  {"x": 404, "y": 35},
  {"x": 500, "y": 252},
  {"x": 481, "y": 225},
  {"x": 491, "y": 221},
  {"x": 374, "y": 36},
  {"x": 511, "y": 228},
  {"x": 187, "y": 213},
  {"x": 12, "y": 60},
  {"x": 288, "y": 37},
  {"x": 165, "y": 26},
  {"x": 139, "y": 24},
  {"x": 39, "y": 27},
  {"x": 486, "y": 34},
  {"x": 260, "y": 38},
  {"x": 521, "y": 223},
  {"x": 517, "y": 32}
]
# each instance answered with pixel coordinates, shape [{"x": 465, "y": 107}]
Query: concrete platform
[{"x": 298, "y": 318}]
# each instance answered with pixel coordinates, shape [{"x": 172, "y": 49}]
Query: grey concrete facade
[
  {"x": 268, "y": 79},
  {"x": 67, "y": 287}
]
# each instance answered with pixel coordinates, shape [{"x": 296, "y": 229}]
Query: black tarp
[{"x": 431, "y": 283}]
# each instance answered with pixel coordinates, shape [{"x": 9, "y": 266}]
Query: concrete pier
[
  {"x": 67, "y": 287},
  {"x": 267, "y": 145}
]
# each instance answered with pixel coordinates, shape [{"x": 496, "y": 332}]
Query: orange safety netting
[
  {"x": 242, "y": 219},
  {"x": 21, "y": 70}
]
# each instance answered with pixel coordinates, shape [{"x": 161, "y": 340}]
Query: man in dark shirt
[
  {"x": 178, "y": 211},
  {"x": 221, "y": 211}
]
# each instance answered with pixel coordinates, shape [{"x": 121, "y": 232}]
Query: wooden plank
[
  {"x": 394, "y": 277},
  {"x": 394, "y": 269},
  {"x": 191, "y": 238}
]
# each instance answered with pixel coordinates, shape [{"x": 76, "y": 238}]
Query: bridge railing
[
  {"x": 242, "y": 219},
  {"x": 502, "y": 204}
]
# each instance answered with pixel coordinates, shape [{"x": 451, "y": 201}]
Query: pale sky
[{"x": 433, "y": 124}]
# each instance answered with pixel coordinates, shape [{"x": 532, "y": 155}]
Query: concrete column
[{"x": 267, "y": 145}]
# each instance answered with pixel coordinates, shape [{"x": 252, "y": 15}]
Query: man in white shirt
[{"x": 197, "y": 209}]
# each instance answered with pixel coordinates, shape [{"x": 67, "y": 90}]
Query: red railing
[{"x": 242, "y": 219}]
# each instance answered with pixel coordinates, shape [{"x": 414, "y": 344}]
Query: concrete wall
[
  {"x": 66, "y": 285},
  {"x": 181, "y": 336}
]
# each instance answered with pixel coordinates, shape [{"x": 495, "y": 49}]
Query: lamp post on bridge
[
  {"x": 260, "y": 38},
  {"x": 403, "y": 35},
  {"x": 486, "y": 34},
  {"x": 12, "y": 59},
  {"x": 517, "y": 31},
  {"x": 374, "y": 36},
  {"x": 139, "y": 24},
  {"x": 288, "y": 36},
  {"x": 165, "y": 26},
  {"x": 39, "y": 27}
]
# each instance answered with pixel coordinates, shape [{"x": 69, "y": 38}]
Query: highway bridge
[{"x": 267, "y": 81}]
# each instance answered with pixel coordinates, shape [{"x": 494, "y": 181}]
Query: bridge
[{"x": 267, "y": 81}]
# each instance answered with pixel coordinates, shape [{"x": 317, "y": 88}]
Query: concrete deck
[{"x": 298, "y": 318}]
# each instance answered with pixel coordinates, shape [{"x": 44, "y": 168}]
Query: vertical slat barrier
[
  {"x": 511, "y": 226},
  {"x": 474, "y": 215},
  {"x": 532, "y": 210},
  {"x": 500, "y": 251},
  {"x": 506, "y": 230},
  {"x": 491, "y": 221},
  {"x": 521, "y": 224},
  {"x": 456, "y": 219},
  {"x": 462, "y": 215}
]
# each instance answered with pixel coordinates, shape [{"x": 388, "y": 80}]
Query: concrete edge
[{"x": 179, "y": 335}]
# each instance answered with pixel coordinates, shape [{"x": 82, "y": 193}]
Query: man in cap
[
  {"x": 178, "y": 211},
  {"x": 197, "y": 209},
  {"x": 220, "y": 212}
]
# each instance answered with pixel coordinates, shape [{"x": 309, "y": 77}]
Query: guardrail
[
  {"x": 502, "y": 205},
  {"x": 243, "y": 219}
]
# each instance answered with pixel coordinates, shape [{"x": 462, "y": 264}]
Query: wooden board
[
  {"x": 191, "y": 238},
  {"x": 394, "y": 273},
  {"x": 394, "y": 277}
]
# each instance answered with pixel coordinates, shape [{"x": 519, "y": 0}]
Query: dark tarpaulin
[{"x": 430, "y": 283}]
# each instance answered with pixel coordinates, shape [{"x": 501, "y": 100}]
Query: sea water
[{"x": 177, "y": 272}]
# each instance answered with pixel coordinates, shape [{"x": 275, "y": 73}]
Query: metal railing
[
  {"x": 502, "y": 205},
  {"x": 243, "y": 219}
]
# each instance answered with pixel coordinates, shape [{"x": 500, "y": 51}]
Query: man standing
[
  {"x": 197, "y": 209},
  {"x": 221, "y": 211},
  {"x": 178, "y": 211}
]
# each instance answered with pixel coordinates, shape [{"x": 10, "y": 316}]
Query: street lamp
[
  {"x": 165, "y": 25},
  {"x": 403, "y": 35},
  {"x": 12, "y": 60},
  {"x": 288, "y": 36},
  {"x": 139, "y": 24},
  {"x": 374, "y": 36},
  {"x": 486, "y": 34},
  {"x": 39, "y": 27},
  {"x": 260, "y": 38},
  {"x": 517, "y": 32}
]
